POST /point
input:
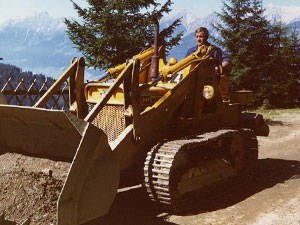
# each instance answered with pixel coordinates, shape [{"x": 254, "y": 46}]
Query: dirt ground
[{"x": 269, "y": 195}]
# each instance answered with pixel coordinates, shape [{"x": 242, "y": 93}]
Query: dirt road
[
  {"x": 273, "y": 196},
  {"x": 269, "y": 195}
]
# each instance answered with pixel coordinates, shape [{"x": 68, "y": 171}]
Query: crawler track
[{"x": 186, "y": 167}]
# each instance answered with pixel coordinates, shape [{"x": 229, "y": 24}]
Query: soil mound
[{"x": 29, "y": 195}]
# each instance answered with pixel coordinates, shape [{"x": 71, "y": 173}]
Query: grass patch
[{"x": 271, "y": 114}]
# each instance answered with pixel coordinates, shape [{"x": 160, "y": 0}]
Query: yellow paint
[{"x": 95, "y": 93}]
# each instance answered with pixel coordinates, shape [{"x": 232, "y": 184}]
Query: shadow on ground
[
  {"x": 133, "y": 207},
  {"x": 264, "y": 174},
  {"x": 275, "y": 122}
]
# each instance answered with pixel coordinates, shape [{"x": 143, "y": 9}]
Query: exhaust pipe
[{"x": 154, "y": 61}]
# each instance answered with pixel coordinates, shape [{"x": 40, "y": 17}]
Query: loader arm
[
  {"x": 143, "y": 124},
  {"x": 199, "y": 55},
  {"x": 144, "y": 57},
  {"x": 149, "y": 124}
]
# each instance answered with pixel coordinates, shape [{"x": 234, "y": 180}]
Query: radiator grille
[{"x": 110, "y": 119}]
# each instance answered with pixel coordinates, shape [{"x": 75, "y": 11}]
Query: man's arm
[
  {"x": 224, "y": 78},
  {"x": 226, "y": 64},
  {"x": 190, "y": 51}
]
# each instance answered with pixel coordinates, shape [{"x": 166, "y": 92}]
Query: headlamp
[{"x": 208, "y": 92}]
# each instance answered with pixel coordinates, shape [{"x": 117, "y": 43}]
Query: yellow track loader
[{"x": 162, "y": 124}]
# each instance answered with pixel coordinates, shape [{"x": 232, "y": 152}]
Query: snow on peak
[
  {"x": 286, "y": 14},
  {"x": 38, "y": 23},
  {"x": 190, "y": 20}
]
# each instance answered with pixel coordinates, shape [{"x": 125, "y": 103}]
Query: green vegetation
[
  {"x": 266, "y": 58},
  {"x": 272, "y": 114},
  {"x": 111, "y": 31}
]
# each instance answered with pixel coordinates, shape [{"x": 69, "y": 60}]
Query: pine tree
[
  {"x": 259, "y": 51},
  {"x": 111, "y": 31},
  {"x": 279, "y": 66},
  {"x": 294, "y": 63},
  {"x": 286, "y": 64},
  {"x": 246, "y": 35},
  {"x": 234, "y": 35},
  {"x": 294, "y": 52}
]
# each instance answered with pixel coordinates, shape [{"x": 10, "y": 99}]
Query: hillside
[{"x": 16, "y": 74}]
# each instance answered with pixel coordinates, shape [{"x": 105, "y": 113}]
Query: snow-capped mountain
[
  {"x": 41, "y": 45},
  {"x": 286, "y": 14},
  {"x": 190, "y": 21},
  {"x": 38, "y": 23},
  {"x": 295, "y": 24},
  {"x": 37, "y": 43}
]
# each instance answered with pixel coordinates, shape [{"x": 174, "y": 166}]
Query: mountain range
[{"x": 40, "y": 43}]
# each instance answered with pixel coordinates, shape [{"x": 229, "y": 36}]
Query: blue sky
[{"x": 63, "y": 8}]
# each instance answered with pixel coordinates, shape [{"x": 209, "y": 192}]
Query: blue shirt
[{"x": 215, "y": 53}]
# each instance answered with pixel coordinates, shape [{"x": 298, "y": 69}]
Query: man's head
[{"x": 201, "y": 35}]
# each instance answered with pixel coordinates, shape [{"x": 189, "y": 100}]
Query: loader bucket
[{"x": 93, "y": 177}]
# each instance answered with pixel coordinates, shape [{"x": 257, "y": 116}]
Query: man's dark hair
[{"x": 202, "y": 29}]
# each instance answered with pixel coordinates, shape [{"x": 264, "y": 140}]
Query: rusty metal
[
  {"x": 110, "y": 119},
  {"x": 155, "y": 57},
  {"x": 162, "y": 163}
]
